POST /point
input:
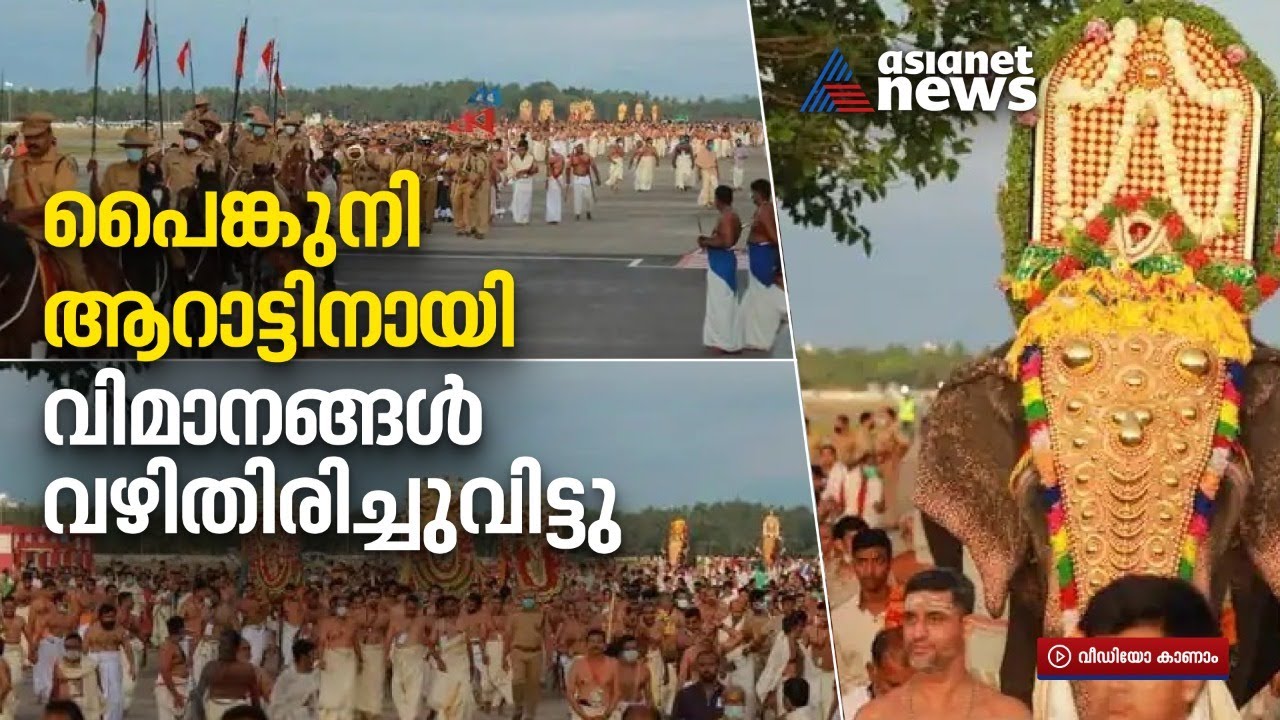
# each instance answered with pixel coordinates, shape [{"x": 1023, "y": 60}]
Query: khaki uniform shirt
[
  {"x": 179, "y": 167},
  {"x": 252, "y": 151},
  {"x": 120, "y": 177},
  {"x": 33, "y": 181}
]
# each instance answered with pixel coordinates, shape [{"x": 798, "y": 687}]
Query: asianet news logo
[{"x": 966, "y": 80}]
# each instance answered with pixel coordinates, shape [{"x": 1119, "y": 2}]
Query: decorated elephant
[
  {"x": 770, "y": 540},
  {"x": 677, "y": 542},
  {"x": 546, "y": 111},
  {"x": 1132, "y": 425}
]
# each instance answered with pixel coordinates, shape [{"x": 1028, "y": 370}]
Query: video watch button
[{"x": 1132, "y": 658}]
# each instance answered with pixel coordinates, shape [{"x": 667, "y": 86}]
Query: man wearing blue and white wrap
[
  {"x": 720, "y": 329},
  {"x": 764, "y": 306}
]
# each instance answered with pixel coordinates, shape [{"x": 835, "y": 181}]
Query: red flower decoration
[
  {"x": 1197, "y": 258},
  {"x": 1036, "y": 297},
  {"x": 1132, "y": 202},
  {"x": 1234, "y": 295},
  {"x": 1098, "y": 230},
  {"x": 1174, "y": 226},
  {"x": 1268, "y": 284},
  {"x": 1067, "y": 266}
]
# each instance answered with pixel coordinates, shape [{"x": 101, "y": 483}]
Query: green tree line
[
  {"x": 722, "y": 528},
  {"x": 895, "y": 364},
  {"x": 429, "y": 101}
]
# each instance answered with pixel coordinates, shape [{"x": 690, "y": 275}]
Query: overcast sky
[
  {"x": 664, "y": 433},
  {"x": 932, "y": 273},
  {"x": 668, "y": 47}
]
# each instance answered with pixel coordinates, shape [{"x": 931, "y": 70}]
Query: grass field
[{"x": 77, "y": 141}]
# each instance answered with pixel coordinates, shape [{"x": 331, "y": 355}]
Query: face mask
[
  {"x": 73, "y": 655},
  {"x": 259, "y": 131},
  {"x": 71, "y": 583},
  {"x": 342, "y": 611},
  {"x": 527, "y": 603},
  {"x": 191, "y": 143},
  {"x": 290, "y": 130},
  {"x": 133, "y": 155},
  {"x": 758, "y": 607},
  {"x": 630, "y": 655},
  {"x": 734, "y": 712},
  {"x": 682, "y": 604}
]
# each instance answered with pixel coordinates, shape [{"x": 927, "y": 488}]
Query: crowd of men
[
  {"x": 632, "y": 638},
  {"x": 464, "y": 177}
]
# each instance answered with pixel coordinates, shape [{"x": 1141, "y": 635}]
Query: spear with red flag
[
  {"x": 143, "y": 63},
  {"x": 185, "y": 61},
  {"x": 97, "y": 34},
  {"x": 155, "y": 38},
  {"x": 235, "y": 97}
]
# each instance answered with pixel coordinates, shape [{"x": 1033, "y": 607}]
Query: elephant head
[{"x": 977, "y": 487}]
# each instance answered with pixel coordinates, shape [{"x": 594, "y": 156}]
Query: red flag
[
  {"x": 244, "y": 36},
  {"x": 485, "y": 120},
  {"x": 97, "y": 33},
  {"x": 144, "y": 47},
  {"x": 463, "y": 124},
  {"x": 268, "y": 58},
  {"x": 184, "y": 57},
  {"x": 279, "y": 85}
]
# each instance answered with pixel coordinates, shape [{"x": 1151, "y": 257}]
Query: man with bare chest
[
  {"x": 495, "y": 689},
  {"x": 339, "y": 663},
  {"x": 14, "y": 632},
  {"x": 104, "y": 641},
  {"x": 570, "y": 639},
  {"x": 591, "y": 686},
  {"x": 294, "y": 616},
  {"x": 371, "y": 631},
  {"x": 555, "y": 186},
  {"x": 692, "y": 641},
  {"x": 584, "y": 177},
  {"x": 51, "y": 627},
  {"x": 633, "y": 675},
  {"x": 174, "y": 678},
  {"x": 405, "y": 649},
  {"x": 226, "y": 681}
]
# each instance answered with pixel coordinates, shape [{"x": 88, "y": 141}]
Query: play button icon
[{"x": 1059, "y": 657}]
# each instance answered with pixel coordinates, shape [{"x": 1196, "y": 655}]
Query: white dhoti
[
  {"x": 522, "y": 201},
  {"x": 338, "y": 684},
  {"x": 369, "y": 686},
  {"x": 256, "y": 636},
  {"x": 111, "y": 675},
  {"x": 215, "y": 708},
  {"x": 206, "y": 652},
  {"x": 498, "y": 690},
  {"x": 739, "y": 174},
  {"x": 134, "y": 651},
  {"x": 744, "y": 676},
  {"x": 450, "y": 694},
  {"x": 288, "y": 634},
  {"x": 615, "y": 173},
  {"x": 764, "y": 305},
  {"x": 47, "y": 655},
  {"x": 555, "y": 199},
  {"x": 662, "y": 682},
  {"x": 15, "y": 659},
  {"x": 644, "y": 173},
  {"x": 294, "y": 695},
  {"x": 707, "y": 195},
  {"x": 720, "y": 328},
  {"x": 167, "y": 707},
  {"x": 684, "y": 172},
  {"x": 822, "y": 687},
  {"x": 407, "y": 677},
  {"x": 584, "y": 196}
]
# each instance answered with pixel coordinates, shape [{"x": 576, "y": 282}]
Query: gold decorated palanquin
[
  {"x": 622, "y": 112},
  {"x": 770, "y": 540},
  {"x": 546, "y": 111},
  {"x": 677, "y": 541},
  {"x": 452, "y": 571},
  {"x": 526, "y": 111},
  {"x": 1135, "y": 280}
]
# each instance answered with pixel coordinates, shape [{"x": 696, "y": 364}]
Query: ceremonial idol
[
  {"x": 677, "y": 542},
  {"x": 1132, "y": 425}
]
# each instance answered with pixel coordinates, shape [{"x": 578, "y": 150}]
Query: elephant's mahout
[{"x": 1130, "y": 427}]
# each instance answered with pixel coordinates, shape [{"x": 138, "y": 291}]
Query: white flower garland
[{"x": 1138, "y": 103}]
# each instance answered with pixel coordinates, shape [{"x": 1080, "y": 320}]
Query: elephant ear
[
  {"x": 1260, "y": 438},
  {"x": 971, "y": 440}
]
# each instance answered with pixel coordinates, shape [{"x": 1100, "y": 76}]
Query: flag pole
[
  {"x": 191, "y": 70},
  {"x": 155, "y": 35},
  {"x": 234, "y": 121},
  {"x": 93, "y": 122},
  {"x": 146, "y": 70},
  {"x": 275, "y": 88}
]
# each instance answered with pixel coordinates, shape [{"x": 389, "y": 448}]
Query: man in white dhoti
[
  {"x": 8, "y": 690},
  {"x": 735, "y": 642},
  {"x": 296, "y": 694},
  {"x": 339, "y": 665},
  {"x": 740, "y": 153},
  {"x": 682, "y": 161},
  {"x": 522, "y": 169},
  {"x": 555, "y": 185},
  {"x": 451, "y": 695},
  {"x": 76, "y": 680},
  {"x": 108, "y": 645},
  {"x": 13, "y": 633},
  {"x": 764, "y": 305},
  {"x": 1125, "y": 609},
  {"x": 405, "y": 649},
  {"x": 936, "y": 604},
  {"x": 617, "y": 156},
  {"x": 174, "y": 677},
  {"x": 584, "y": 177},
  {"x": 720, "y": 329},
  {"x": 645, "y": 161},
  {"x": 591, "y": 685}
]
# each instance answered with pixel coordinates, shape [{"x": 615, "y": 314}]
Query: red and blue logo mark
[{"x": 835, "y": 92}]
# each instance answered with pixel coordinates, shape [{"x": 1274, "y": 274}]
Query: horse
[
  {"x": 146, "y": 269},
  {"x": 203, "y": 267},
  {"x": 21, "y": 297}
]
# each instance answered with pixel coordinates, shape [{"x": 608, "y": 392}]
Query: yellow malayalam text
[
  {"x": 279, "y": 323},
  {"x": 239, "y": 219}
]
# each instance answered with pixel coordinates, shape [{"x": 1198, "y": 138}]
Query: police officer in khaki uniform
[
  {"x": 454, "y": 168},
  {"x": 34, "y": 178},
  {"x": 125, "y": 175},
  {"x": 199, "y": 108},
  {"x": 291, "y": 137},
  {"x": 181, "y": 167},
  {"x": 479, "y": 171},
  {"x": 212, "y": 145},
  {"x": 256, "y": 150},
  {"x": 428, "y": 166}
]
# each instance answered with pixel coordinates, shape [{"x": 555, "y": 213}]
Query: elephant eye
[
  {"x": 1195, "y": 361},
  {"x": 1077, "y": 354}
]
